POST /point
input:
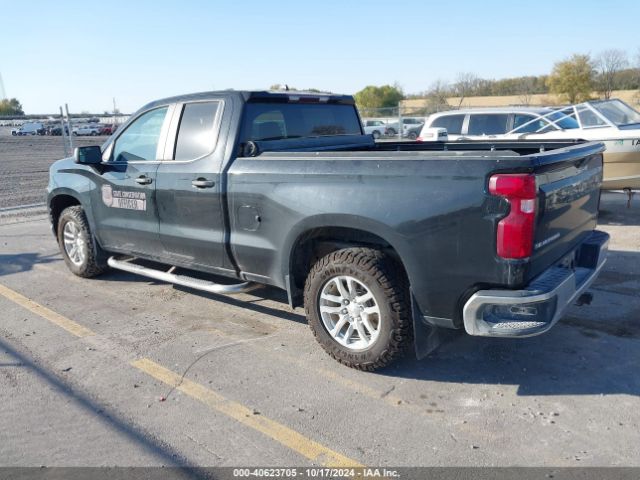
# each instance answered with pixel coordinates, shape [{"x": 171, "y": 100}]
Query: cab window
[{"x": 140, "y": 140}]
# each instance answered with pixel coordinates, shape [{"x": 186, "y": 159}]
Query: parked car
[
  {"x": 413, "y": 133},
  {"x": 407, "y": 123},
  {"x": 374, "y": 127},
  {"x": 56, "y": 130},
  {"x": 29, "y": 128},
  {"x": 612, "y": 122},
  {"x": 92, "y": 129},
  {"x": 108, "y": 129},
  {"x": 382, "y": 243}
]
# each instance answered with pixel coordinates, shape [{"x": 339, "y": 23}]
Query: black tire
[
  {"x": 95, "y": 260},
  {"x": 412, "y": 136},
  {"x": 389, "y": 286},
  {"x": 376, "y": 134},
  {"x": 391, "y": 131}
]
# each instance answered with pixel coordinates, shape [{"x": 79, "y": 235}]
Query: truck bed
[{"x": 429, "y": 201}]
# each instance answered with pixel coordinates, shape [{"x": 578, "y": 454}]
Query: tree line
[
  {"x": 10, "y": 107},
  {"x": 573, "y": 79}
]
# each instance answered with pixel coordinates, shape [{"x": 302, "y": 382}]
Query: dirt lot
[
  {"x": 24, "y": 166},
  {"x": 121, "y": 370}
]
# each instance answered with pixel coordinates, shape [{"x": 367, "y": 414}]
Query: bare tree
[
  {"x": 437, "y": 95},
  {"x": 526, "y": 87},
  {"x": 609, "y": 63},
  {"x": 464, "y": 85}
]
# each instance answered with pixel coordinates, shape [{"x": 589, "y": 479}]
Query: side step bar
[{"x": 183, "y": 280}]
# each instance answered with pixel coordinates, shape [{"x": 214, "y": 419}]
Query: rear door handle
[
  {"x": 203, "y": 183},
  {"x": 143, "y": 180}
]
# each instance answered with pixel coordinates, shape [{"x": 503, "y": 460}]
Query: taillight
[{"x": 515, "y": 231}]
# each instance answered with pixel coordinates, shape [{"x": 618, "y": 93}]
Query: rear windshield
[{"x": 277, "y": 121}]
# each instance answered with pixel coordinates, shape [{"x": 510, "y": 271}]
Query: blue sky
[{"x": 87, "y": 52}]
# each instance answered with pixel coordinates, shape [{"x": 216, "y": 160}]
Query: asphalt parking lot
[{"x": 125, "y": 371}]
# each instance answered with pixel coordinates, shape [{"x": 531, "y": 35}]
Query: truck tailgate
[{"x": 568, "y": 183}]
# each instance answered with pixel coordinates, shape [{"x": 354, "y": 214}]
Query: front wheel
[
  {"x": 81, "y": 253},
  {"x": 357, "y": 305}
]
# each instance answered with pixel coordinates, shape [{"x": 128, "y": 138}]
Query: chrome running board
[{"x": 183, "y": 280}]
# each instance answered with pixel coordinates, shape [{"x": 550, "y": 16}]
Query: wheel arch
[
  {"x": 314, "y": 242},
  {"x": 57, "y": 203}
]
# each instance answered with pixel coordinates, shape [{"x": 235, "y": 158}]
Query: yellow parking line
[
  {"x": 350, "y": 384},
  {"x": 55, "y": 318},
  {"x": 297, "y": 442}
]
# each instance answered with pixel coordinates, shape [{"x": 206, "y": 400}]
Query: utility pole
[
  {"x": 62, "y": 132},
  {"x": 66, "y": 107},
  {"x": 3, "y": 93}
]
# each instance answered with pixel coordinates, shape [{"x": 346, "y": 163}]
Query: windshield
[
  {"x": 617, "y": 112},
  {"x": 562, "y": 120}
]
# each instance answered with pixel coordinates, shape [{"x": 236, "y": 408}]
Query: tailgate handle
[{"x": 203, "y": 183}]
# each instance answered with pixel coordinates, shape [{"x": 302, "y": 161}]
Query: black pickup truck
[{"x": 383, "y": 243}]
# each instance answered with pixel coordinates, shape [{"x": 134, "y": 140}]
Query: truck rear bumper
[{"x": 536, "y": 308}]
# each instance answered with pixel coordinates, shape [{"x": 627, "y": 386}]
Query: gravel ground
[{"x": 24, "y": 166}]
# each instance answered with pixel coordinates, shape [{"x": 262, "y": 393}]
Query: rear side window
[
  {"x": 196, "y": 135},
  {"x": 488, "y": 123},
  {"x": 453, "y": 123},
  {"x": 277, "y": 121}
]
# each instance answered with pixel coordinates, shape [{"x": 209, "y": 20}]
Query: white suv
[
  {"x": 499, "y": 123},
  {"x": 30, "y": 128},
  {"x": 374, "y": 127}
]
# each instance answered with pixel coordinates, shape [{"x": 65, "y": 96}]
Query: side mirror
[{"x": 91, "y": 155}]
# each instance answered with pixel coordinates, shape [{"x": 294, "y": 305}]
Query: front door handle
[
  {"x": 143, "y": 180},
  {"x": 203, "y": 183}
]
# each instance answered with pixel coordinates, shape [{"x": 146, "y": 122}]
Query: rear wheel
[
  {"x": 357, "y": 304},
  {"x": 376, "y": 134},
  {"x": 81, "y": 253}
]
